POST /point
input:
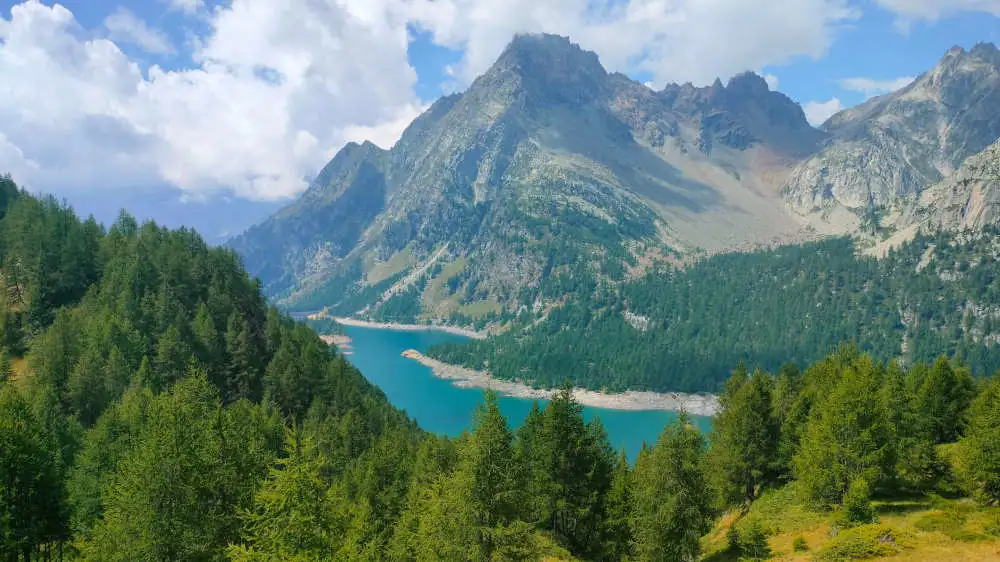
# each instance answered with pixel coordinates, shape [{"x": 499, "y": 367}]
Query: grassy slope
[{"x": 926, "y": 529}]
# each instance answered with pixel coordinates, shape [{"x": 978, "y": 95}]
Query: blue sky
[{"x": 182, "y": 106}]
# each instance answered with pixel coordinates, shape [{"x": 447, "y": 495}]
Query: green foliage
[
  {"x": 942, "y": 398},
  {"x": 849, "y": 436},
  {"x": 799, "y": 544},
  {"x": 866, "y": 541},
  {"x": 176, "y": 494},
  {"x": 857, "y": 508},
  {"x": 709, "y": 316},
  {"x": 32, "y": 499},
  {"x": 979, "y": 450},
  {"x": 753, "y": 543},
  {"x": 745, "y": 436},
  {"x": 293, "y": 516},
  {"x": 673, "y": 501}
]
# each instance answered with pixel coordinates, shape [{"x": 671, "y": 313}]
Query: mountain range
[{"x": 550, "y": 174}]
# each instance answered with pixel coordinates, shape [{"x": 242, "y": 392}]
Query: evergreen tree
[
  {"x": 849, "y": 436},
  {"x": 980, "y": 448},
  {"x": 570, "y": 475},
  {"x": 618, "y": 506},
  {"x": 672, "y": 497},
  {"x": 745, "y": 438},
  {"x": 177, "y": 493},
  {"x": 942, "y": 399},
  {"x": 32, "y": 492},
  {"x": 292, "y": 517}
]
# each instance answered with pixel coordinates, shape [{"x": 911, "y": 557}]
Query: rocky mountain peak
[
  {"x": 546, "y": 64},
  {"x": 748, "y": 83},
  {"x": 896, "y": 145}
]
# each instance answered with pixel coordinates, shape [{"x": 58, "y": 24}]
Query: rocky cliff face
[
  {"x": 896, "y": 145},
  {"x": 549, "y": 175},
  {"x": 547, "y": 170},
  {"x": 969, "y": 199}
]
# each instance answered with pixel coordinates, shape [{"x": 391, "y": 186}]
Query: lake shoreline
[
  {"x": 354, "y": 322},
  {"x": 462, "y": 377},
  {"x": 342, "y": 342}
]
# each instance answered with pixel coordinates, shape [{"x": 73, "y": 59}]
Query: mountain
[
  {"x": 546, "y": 174},
  {"x": 899, "y": 144}
]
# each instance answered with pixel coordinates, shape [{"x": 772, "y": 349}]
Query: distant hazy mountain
[
  {"x": 899, "y": 144},
  {"x": 547, "y": 172}
]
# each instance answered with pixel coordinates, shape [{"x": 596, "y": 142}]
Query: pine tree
[
  {"x": 979, "y": 450},
  {"x": 618, "y": 506},
  {"x": 943, "y": 398},
  {"x": 292, "y": 517},
  {"x": 745, "y": 438},
  {"x": 849, "y": 436},
  {"x": 32, "y": 492},
  {"x": 672, "y": 497},
  {"x": 571, "y": 473}
]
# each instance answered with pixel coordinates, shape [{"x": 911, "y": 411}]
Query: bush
[
  {"x": 993, "y": 526},
  {"x": 866, "y": 541},
  {"x": 946, "y": 522},
  {"x": 799, "y": 544},
  {"x": 857, "y": 508}
]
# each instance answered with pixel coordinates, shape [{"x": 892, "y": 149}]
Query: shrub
[
  {"x": 993, "y": 526},
  {"x": 857, "y": 508},
  {"x": 942, "y": 521},
  {"x": 866, "y": 541},
  {"x": 799, "y": 544}
]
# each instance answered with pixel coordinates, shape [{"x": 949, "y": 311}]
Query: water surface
[{"x": 441, "y": 407}]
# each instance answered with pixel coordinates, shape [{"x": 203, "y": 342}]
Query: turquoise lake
[{"x": 441, "y": 407}]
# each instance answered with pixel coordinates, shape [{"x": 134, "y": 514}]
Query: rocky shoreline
[
  {"x": 695, "y": 404},
  {"x": 343, "y": 343},
  {"x": 410, "y": 327}
]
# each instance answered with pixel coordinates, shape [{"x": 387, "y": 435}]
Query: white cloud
[
  {"x": 817, "y": 112},
  {"x": 189, "y": 6},
  {"x": 125, "y": 27},
  {"x": 931, "y": 10},
  {"x": 276, "y": 86},
  {"x": 384, "y": 134},
  {"x": 674, "y": 40},
  {"x": 871, "y": 88},
  {"x": 772, "y": 82}
]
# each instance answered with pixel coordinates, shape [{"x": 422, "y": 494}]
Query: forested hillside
[
  {"x": 683, "y": 329},
  {"x": 163, "y": 412}
]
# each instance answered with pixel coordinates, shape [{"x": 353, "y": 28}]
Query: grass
[
  {"x": 397, "y": 262},
  {"x": 478, "y": 309},
  {"x": 436, "y": 302},
  {"x": 930, "y": 529}
]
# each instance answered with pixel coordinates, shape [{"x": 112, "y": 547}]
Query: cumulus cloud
[
  {"x": 276, "y": 87},
  {"x": 772, "y": 81},
  {"x": 870, "y": 87},
  {"x": 817, "y": 112},
  {"x": 673, "y": 40},
  {"x": 125, "y": 27}
]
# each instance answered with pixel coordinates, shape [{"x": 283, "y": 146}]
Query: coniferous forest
[
  {"x": 154, "y": 407},
  {"x": 682, "y": 329}
]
